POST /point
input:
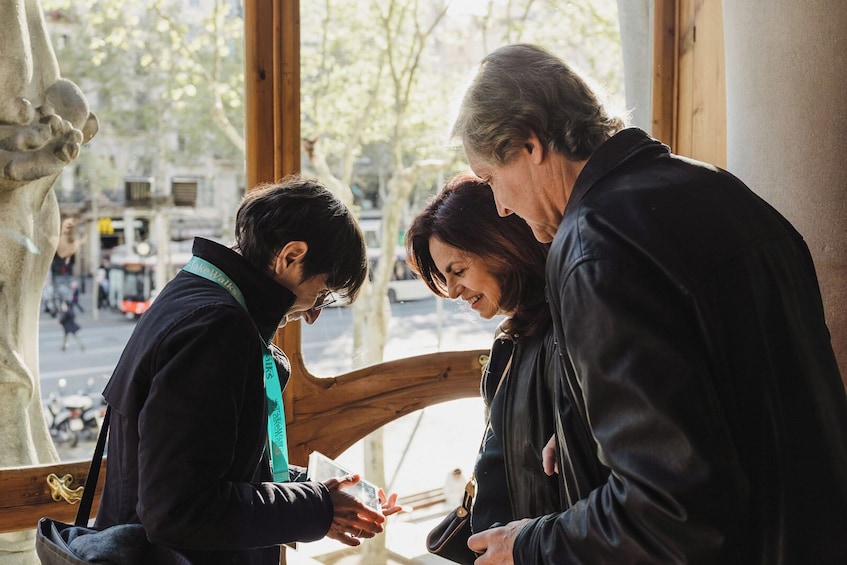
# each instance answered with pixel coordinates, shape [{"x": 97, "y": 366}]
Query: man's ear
[
  {"x": 290, "y": 255},
  {"x": 534, "y": 148}
]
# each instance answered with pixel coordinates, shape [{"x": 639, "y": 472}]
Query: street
[
  {"x": 416, "y": 328},
  {"x": 88, "y": 370}
]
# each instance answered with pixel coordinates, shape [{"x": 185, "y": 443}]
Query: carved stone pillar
[
  {"x": 43, "y": 121},
  {"x": 786, "y": 122}
]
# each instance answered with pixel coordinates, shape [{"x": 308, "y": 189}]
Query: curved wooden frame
[
  {"x": 331, "y": 414},
  {"x": 25, "y": 496}
]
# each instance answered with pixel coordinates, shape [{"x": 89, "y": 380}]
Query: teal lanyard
[{"x": 277, "y": 438}]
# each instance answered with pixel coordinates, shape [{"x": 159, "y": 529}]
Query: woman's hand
[
  {"x": 390, "y": 506},
  {"x": 352, "y": 519}
]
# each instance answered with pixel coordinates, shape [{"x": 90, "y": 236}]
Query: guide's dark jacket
[
  {"x": 189, "y": 422},
  {"x": 697, "y": 355}
]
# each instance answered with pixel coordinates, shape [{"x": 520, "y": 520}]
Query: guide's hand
[{"x": 351, "y": 519}]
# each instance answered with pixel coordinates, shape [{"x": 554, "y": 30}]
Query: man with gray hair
[{"x": 692, "y": 332}]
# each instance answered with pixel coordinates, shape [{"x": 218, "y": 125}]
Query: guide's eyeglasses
[{"x": 324, "y": 299}]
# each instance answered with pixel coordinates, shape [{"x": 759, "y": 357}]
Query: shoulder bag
[
  {"x": 449, "y": 539},
  {"x": 59, "y": 543}
]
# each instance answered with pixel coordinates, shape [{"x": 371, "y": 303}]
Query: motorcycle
[
  {"x": 73, "y": 415},
  {"x": 92, "y": 417},
  {"x": 64, "y": 419}
]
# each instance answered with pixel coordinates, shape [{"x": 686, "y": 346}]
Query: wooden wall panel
[
  {"x": 258, "y": 91},
  {"x": 701, "y": 101},
  {"x": 689, "y": 85},
  {"x": 286, "y": 87},
  {"x": 665, "y": 71}
]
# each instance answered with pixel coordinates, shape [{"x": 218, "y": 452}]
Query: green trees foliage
[{"x": 379, "y": 81}]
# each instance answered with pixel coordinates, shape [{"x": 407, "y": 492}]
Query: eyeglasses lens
[{"x": 324, "y": 300}]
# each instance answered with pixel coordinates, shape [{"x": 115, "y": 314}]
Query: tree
[
  {"x": 158, "y": 74},
  {"x": 374, "y": 75},
  {"x": 396, "y": 46}
]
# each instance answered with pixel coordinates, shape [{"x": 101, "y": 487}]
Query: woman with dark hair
[{"x": 463, "y": 250}]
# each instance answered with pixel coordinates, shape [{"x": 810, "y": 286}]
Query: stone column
[
  {"x": 636, "y": 25},
  {"x": 43, "y": 121},
  {"x": 786, "y": 78}
]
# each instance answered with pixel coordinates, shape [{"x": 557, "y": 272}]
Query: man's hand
[
  {"x": 549, "y": 460},
  {"x": 495, "y": 545},
  {"x": 351, "y": 519}
]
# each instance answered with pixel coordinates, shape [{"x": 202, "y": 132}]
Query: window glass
[
  {"x": 165, "y": 79},
  {"x": 379, "y": 89}
]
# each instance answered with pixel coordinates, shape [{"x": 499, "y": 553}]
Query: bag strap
[
  {"x": 470, "y": 488},
  {"x": 84, "y": 512}
]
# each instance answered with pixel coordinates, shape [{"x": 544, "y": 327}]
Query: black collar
[
  {"x": 615, "y": 151},
  {"x": 267, "y": 300}
]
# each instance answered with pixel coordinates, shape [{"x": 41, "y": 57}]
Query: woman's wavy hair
[
  {"x": 523, "y": 89},
  {"x": 464, "y": 215},
  {"x": 299, "y": 209}
]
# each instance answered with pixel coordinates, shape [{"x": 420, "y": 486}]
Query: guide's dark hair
[
  {"x": 299, "y": 209},
  {"x": 464, "y": 215}
]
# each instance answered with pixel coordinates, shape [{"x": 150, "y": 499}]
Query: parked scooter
[
  {"x": 63, "y": 424},
  {"x": 71, "y": 416},
  {"x": 92, "y": 417}
]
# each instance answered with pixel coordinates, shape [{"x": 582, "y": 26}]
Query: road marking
[{"x": 75, "y": 372}]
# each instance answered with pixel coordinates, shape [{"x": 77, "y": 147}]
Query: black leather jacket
[
  {"x": 511, "y": 483},
  {"x": 696, "y": 354}
]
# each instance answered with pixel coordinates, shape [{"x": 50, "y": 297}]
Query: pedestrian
[
  {"x": 101, "y": 282},
  {"x": 463, "y": 250},
  {"x": 115, "y": 278},
  {"x": 70, "y": 327},
  {"x": 197, "y": 451},
  {"x": 75, "y": 296},
  {"x": 692, "y": 332}
]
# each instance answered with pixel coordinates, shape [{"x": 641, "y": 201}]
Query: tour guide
[{"x": 196, "y": 449}]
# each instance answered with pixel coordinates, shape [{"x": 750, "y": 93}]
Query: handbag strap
[
  {"x": 84, "y": 512},
  {"x": 470, "y": 488}
]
